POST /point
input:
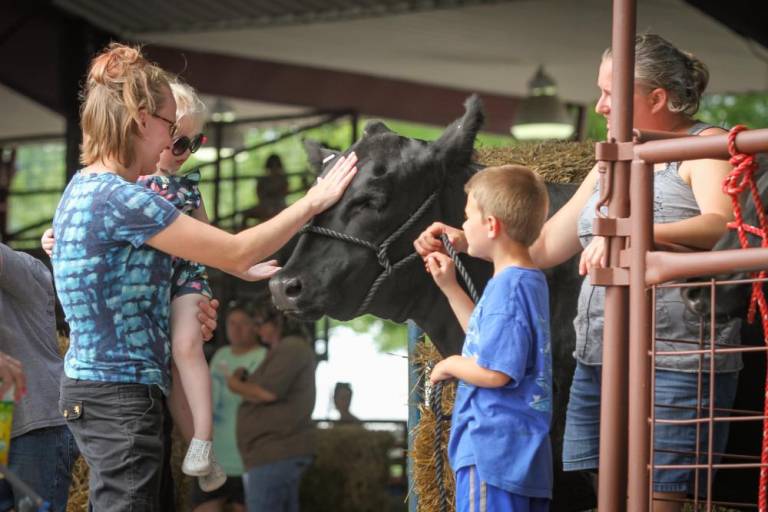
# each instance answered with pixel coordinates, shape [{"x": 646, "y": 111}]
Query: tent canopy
[{"x": 406, "y": 59}]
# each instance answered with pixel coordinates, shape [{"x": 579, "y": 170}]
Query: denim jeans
[
  {"x": 274, "y": 487},
  {"x": 673, "y": 444},
  {"x": 43, "y": 460},
  {"x": 119, "y": 430}
]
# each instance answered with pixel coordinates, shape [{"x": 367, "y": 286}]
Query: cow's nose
[
  {"x": 286, "y": 290},
  {"x": 292, "y": 287}
]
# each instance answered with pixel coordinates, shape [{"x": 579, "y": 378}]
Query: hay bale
[
  {"x": 423, "y": 454},
  {"x": 558, "y": 162},
  {"x": 78, "y": 489},
  {"x": 350, "y": 472}
]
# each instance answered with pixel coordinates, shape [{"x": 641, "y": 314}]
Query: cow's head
[{"x": 396, "y": 176}]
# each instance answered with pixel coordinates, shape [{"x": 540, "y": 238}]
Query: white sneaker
[
  {"x": 197, "y": 461},
  {"x": 214, "y": 479}
]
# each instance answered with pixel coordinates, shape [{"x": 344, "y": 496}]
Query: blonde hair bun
[
  {"x": 120, "y": 84},
  {"x": 114, "y": 63}
]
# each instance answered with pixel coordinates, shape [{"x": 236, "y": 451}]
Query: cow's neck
[{"x": 434, "y": 316}]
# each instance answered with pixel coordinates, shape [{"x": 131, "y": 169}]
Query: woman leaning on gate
[{"x": 690, "y": 210}]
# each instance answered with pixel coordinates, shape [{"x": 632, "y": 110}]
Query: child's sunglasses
[{"x": 182, "y": 144}]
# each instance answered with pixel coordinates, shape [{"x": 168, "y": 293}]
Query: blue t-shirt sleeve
[
  {"x": 134, "y": 214},
  {"x": 505, "y": 345}
]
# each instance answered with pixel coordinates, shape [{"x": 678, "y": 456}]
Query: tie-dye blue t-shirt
[
  {"x": 115, "y": 291},
  {"x": 504, "y": 431}
]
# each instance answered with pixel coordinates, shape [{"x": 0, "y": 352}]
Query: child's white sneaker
[
  {"x": 197, "y": 461},
  {"x": 214, "y": 479}
]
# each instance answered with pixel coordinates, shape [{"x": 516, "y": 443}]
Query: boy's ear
[{"x": 494, "y": 227}]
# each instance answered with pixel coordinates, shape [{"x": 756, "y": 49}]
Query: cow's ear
[
  {"x": 318, "y": 154},
  {"x": 375, "y": 127},
  {"x": 456, "y": 144}
]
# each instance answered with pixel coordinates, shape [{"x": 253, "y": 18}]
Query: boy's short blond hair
[
  {"x": 516, "y": 196},
  {"x": 120, "y": 84},
  {"x": 188, "y": 104}
]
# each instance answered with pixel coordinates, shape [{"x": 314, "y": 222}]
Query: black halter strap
[{"x": 380, "y": 250}]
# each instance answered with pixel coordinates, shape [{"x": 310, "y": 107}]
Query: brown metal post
[
  {"x": 669, "y": 266},
  {"x": 640, "y": 338},
  {"x": 613, "y": 398}
]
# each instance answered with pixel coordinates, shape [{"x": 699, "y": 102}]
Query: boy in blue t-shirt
[{"x": 499, "y": 446}]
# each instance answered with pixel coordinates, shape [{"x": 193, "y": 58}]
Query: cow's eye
[{"x": 366, "y": 202}]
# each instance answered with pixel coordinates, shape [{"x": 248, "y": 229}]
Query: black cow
[{"x": 402, "y": 186}]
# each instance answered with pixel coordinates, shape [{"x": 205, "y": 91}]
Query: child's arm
[
  {"x": 467, "y": 369},
  {"x": 443, "y": 272},
  {"x": 259, "y": 271},
  {"x": 248, "y": 390},
  {"x": 47, "y": 242}
]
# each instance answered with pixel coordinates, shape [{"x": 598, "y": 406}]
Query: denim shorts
[{"x": 673, "y": 444}]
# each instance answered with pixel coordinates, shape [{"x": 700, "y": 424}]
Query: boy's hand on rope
[
  {"x": 441, "y": 371},
  {"x": 207, "y": 316},
  {"x": 429, "y": 240},
  {"x": 47, "y": 241},
  {"x": 442, "y": 269}
]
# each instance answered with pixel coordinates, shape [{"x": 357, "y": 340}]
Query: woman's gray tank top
[{"x": 673, "y": 200}]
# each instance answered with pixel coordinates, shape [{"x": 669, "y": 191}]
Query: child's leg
[
  {"x": 195, "y": 378},
  {"x": 179, "y": 406}
]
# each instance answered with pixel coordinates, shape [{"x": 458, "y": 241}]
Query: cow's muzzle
[{"x": 286, "y": 291}]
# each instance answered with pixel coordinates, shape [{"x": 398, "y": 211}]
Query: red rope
[{"x": 741, "y": 177}]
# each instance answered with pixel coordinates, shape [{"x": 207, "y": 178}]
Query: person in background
[
  {"x": 243, "y": 351},
  {"x": 275, "y": 433},
  {"x": 342, "y": 399},
  {"x": 270, "y": 191},
  {"x": 42, "y": 450}
]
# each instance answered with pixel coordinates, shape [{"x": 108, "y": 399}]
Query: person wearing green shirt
[{"x": 243, "y": 351}]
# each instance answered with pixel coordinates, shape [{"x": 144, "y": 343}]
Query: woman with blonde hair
[{"x": 112, "y": 264}]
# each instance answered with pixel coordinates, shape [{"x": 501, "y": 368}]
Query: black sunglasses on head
[{"x": 182, "y": 144}]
